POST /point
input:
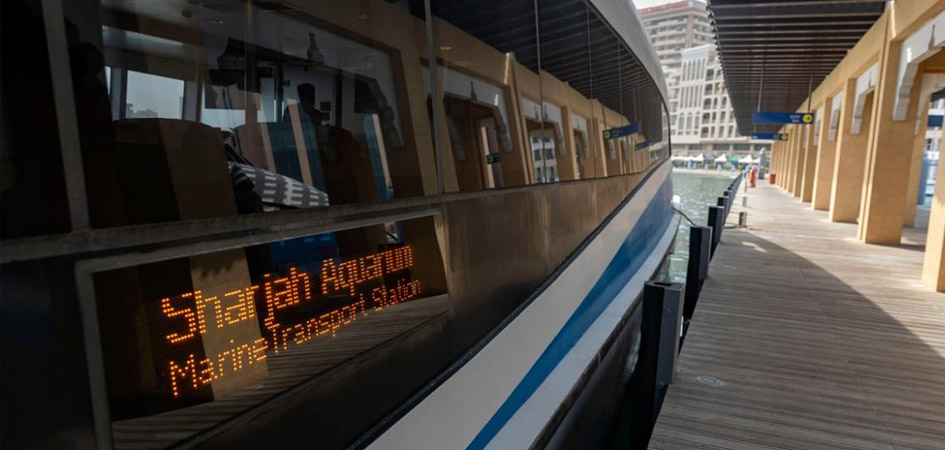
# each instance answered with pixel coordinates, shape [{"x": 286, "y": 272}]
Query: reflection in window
[
  {"x": 190, "y": 342},
  {"x": 153, "y": 96},
  {"x": 301, "y": 118},
  {"x": 476, "y": 119}
]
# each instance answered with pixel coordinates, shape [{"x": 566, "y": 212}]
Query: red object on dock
[
  {"x": 751, "y": 177},
  {"x": 771, "y": 178}
]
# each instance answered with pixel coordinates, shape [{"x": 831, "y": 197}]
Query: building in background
[
  {"x": 674, "y": 27},
  {"x": 700, "y": 110}
]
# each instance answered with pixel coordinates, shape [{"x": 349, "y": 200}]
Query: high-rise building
[
  {"x": 674, "y": 27},
  {"x": 700, "y": 110}
]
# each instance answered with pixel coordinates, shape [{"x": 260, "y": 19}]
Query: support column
[
  {"x": 785, "y": 157},
  {"x": 933, "y": 268},
  {"x": 788, "y": 162},
  {"x": 773, "y": 168},
  {"x": 799, "y": 155},
  {"x": 792, "y": 159},
  {"x": 850, "y": 160},
  {"x": 810, "y": 159},
  {"x": 883, "y": 208},
  {"x": 775, "y": 159},
  {"x": 785, "y": 160},
  {"x": 826, "y": 153}
]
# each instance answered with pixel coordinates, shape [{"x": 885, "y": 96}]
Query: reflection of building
[
  {"x": 239, "y": 242},
  {"x": 546, "y": 166},
  {"x": 933, "y": 133},
  {"x": 700, "y": 110}
]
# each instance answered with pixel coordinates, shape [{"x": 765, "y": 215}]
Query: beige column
[
  {"x": 882, "y": 213},
  {"x": 850, "y": 159},
  {"x": 788, "y": 161},
  {"x": 823, "y": 171},
  {"x": 799, "y": 154},
  {"x": 933, "y": 268},
  {"x": 776, "y": 161},
  {"x": 785, "y": 160},
  {"x": 810, "y": 160}
]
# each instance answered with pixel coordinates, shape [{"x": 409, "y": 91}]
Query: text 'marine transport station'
[{"x": 289, "y": 316}]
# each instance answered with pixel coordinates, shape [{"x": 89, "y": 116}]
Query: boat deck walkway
[{"x": 805, "y": 338}]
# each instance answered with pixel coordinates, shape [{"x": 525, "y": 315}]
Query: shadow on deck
[{"x": 806, "y": 338}]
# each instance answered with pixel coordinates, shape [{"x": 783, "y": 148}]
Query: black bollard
[
  {"x": 716, "y": 217},
  {"x": 700, "y": 244},
  {"x": 659, "y": 330},
  {"x": 723, "y": 203}
]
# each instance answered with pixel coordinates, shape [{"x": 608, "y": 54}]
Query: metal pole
[
  {"x": 590, "y": 73},
  {"x": 761, "y": 91},
  {"x": 541, "y": 95},
  {"x": 435, "y": 95},
  {"x": 810, "y": 86}
]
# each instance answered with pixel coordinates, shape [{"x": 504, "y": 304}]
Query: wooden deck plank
[{"x": 819, "y": 341}]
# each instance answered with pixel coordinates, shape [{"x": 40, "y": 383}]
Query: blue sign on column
[
  {"x": 770, "y": 136},
  {"x": 626, "y": 130},
  {"x": 781, "y": 118}
]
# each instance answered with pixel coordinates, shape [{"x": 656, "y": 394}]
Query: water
[{"x": 698, "y": 190}]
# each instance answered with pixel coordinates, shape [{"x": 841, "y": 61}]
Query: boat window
[
  {"x": 203, "y": 97},
  {"x": 191, "y": 342},
  {"x": 217, "y": 120}
]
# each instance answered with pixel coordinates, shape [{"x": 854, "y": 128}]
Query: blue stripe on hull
[{"x": 636, "y": 248}]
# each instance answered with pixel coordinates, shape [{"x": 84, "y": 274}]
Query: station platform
[{"x": 806, "y": 338}]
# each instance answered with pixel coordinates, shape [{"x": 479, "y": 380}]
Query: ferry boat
[{"x": 371, "y": 224}]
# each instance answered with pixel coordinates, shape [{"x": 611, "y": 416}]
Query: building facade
[
  {"x": 700, "y": 110},
  {"x": 674, "y": 27}
]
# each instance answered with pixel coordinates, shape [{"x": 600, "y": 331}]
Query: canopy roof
[{"x": 794, "y": 43}]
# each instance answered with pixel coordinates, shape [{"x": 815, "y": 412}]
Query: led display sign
[{"x": 285, "y": 308}]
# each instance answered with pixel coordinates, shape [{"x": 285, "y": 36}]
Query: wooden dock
[{"x": 805, "y": 338}]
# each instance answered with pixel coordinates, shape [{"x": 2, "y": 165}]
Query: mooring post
[
  {"x": 659, "y": 346},
  {"x": 716, "y": 217},
  {"x": 700, "y": 242},
  {"x": 723, "y": 203}
]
